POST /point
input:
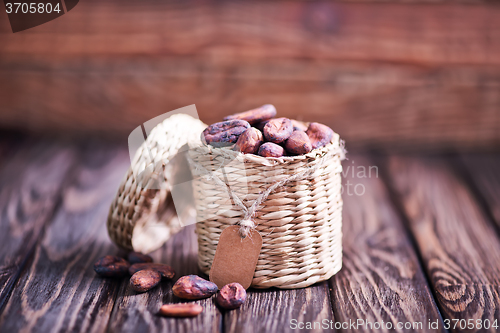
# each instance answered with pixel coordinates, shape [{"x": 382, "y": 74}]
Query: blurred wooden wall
[{"x": 416, "y": 74}]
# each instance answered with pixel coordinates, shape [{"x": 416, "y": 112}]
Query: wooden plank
[
  {"x": 30, "y": 189},
  {"x": 59, "y": 290},
  {"x": 368, "y": 104},
  {"x": 458, "y": 245},
  {"x": 411, "y": 33},
  {"x": 139, "y": 312},
  {"x": 485, "y": 179},
  {"x": 285, "y": 311},
  {"x": 381, "y": 280},
  {"x": 379, "y": 74},
  {"x": 173, "y": 6}
]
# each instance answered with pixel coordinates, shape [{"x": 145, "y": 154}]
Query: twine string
[{"x": 247, "y": 224}]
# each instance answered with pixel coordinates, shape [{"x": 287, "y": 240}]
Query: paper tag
[{"x": 235, "y": 257}]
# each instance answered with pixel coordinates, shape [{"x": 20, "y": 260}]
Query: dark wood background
[{"x": 409, "y": 74}]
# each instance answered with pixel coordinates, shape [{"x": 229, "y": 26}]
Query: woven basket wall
[{"x": 300, "y": 223}]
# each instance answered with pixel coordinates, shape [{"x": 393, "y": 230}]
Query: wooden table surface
[{"x": 421, "y": 245}]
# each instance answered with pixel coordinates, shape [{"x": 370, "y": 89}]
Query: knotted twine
[{"x": 247, "y": 224}]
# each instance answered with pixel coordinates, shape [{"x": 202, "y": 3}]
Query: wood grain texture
[
  {"x": 395, "y": 105},
  {"x": 276, "y": 310},
  {"x": 378, "y": 74},
  {"x": 258, "y": 30},
  {"x": 139, "y": 312},
  {"x": 59, "y": 290},
  {"x": 30, "y": 189},
  {"x": 483, "y": 170},
  {"x": 381, "y": 279},
  {"x": 458, "y": 245}
]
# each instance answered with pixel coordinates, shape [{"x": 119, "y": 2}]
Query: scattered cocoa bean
[
  {"x": 181, "y": 310},
  {"x": 255, "y": 115},
  {"x": 319, "y": 134},
  {"x": 249, "y": 141},
  {"x": 231, "y": 296},
  {"x": 193, "y": 287},
  {"x": 137, "y": 257},
  {"x": 270, "y": 149},
  {"x": 225, "y": 133},
  {"x": 111, "y": 266},
  {"x": 299, "y": 125},
  {"x": 298, "y": 143},
  {"x": 165, "y": 270},
  {"x": 144, "y": 280},
  {"x": 278, "y": 130}
]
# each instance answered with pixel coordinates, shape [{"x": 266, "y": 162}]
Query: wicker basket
[
  {"x": 300, "y": 221},
  {"x": 142, "y": 216}
]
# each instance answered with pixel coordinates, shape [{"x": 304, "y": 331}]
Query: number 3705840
[{"x": 33, "y": 7}]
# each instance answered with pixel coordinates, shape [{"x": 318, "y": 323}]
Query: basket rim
[{"x": 335, "y": 143}]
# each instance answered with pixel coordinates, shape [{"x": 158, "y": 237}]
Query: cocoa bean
[
  {"x": 165, "y": 270},
  {"x": 231, "y": 296},
  {"x": 249, "y": 141},
  {"x": 111, "y": 266},
  {"x": 278, "y": 130},
  {"x": 144, "y": 280},
  {"x": 319, "y": 134},
  {"x": 260, "y": 125},
  {"x": 270, "y": 149},
  {"x": 225, "y": 133},
  {"x": 181, "y": 310},
  {"x": 193, "y": 287},
  {"x": 255, "y": 115},
  {"x": 298, "y": 143},
  {"x": 299, "y": 125},
  {"x": 137, "y": 257}
]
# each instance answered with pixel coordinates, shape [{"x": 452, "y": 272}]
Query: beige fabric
[
  {"x": 300, "y": 222},
  {"x": 143, "y": 218}
]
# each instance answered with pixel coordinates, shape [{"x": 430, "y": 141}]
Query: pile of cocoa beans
[
  {"x": 145, "y": 275},
  {"x": 258, "y": 132}
]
